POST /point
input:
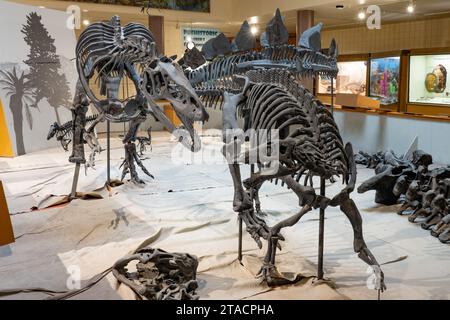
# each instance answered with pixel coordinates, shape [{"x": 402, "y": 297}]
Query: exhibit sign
[
  {"x": 37, "y": 76},
  {"x": 384, "y": 79},
  {"x": 182, "y": 5},
  {"x": 428, "y": 79},
  {"x": 351, "y": 79},
  {"x": 199, "y": 36}
]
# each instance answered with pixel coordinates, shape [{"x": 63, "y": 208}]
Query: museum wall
[
  {"x": 37, "y": 75},
  {"x": 396, "y": 36},
  {"x": 241, "y": 8},
  {"x": 373, "y": 133}
]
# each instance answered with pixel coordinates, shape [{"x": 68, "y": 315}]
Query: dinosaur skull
[
  {"x": 167, "y": 81},
  {"x": 53, "y": 129}
]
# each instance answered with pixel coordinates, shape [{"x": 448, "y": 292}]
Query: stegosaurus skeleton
[{"x": 263, "y": 88}]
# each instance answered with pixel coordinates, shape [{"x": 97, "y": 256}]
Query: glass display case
[
  {"x": 352, "y": 79},
  {"x": 384, "y": 79},
  {"x": 428, "y": 79}
]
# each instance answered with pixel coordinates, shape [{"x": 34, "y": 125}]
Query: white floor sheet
[{"x": 188, "y": 208}]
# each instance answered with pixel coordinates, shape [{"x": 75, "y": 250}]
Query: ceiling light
[
  {"x": 411, "y": 7},
  {"x": 190, "y": 45},
  {"x": 254, "y": 20},
  {"x": 254, "y": 30},
  {"x": 362, "y": 1},
  {"x": 41, "y": 7},
  {"x": 86, "y": 22},
  {"x": 85, "y": 10},
  {"x": 361, "y": 15},
  {"x": 340, "y": 6}
]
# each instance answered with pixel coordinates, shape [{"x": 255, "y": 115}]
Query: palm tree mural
[{"x": 20, "y": 95}]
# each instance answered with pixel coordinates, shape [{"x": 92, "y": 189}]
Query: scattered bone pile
[
  {"x": 159, "y": 275},
  {"x": 424, "y": 193}
]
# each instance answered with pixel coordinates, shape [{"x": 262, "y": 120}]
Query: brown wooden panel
[
  {"x": 156, "y": 26},
  {"x": 425, "y": 109},
  {"x": 353, "y": 57},
  {"x": 6, "y": 230},
  {"x": 387, "y": 54},
  {"x": 403, "y": 81},
  {"x": 424, "y": 51}
]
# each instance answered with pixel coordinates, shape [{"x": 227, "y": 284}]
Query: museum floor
[{"x": 196, "y": 217}]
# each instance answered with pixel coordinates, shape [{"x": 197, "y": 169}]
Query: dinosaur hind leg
[
  {"x": 269, "y": 272},
  {"x": 348, "y": 207},
  {"x": 131, "y": 155}
]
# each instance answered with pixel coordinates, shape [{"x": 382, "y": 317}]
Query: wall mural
[
  {"x": 183, "y": 5},
  {"x": 36, "y": 74}
]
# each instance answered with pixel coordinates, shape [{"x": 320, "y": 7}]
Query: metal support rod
[
  {"x": 321, "y": 233},
  {"x": 240, "y": 241},
  {"x": 108, "y": 151},
  {"x": 76, "y": 174},
  {"x": 332, "y": 96}
]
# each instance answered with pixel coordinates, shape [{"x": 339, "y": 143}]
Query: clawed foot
[
  {"x": 272, "y": 277},
  {"x": 380, "y": 285},
  {"x": 242, "y": 201},
  {"x": 257, "y": 227},
  {"x": 129, "y": 167},
  {"x": 419, "y": 213},
  {"x": 442, "y": 230}
]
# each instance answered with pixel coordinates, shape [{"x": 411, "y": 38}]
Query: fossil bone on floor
[{"x": 197, "y": 217}]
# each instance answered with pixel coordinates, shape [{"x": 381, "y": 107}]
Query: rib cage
[
  {"x": 277, "y": 101},
  {"x": 106, "y": 47},
  {"x": 102, "y": 39}
]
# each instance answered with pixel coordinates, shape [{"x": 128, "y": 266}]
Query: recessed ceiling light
[
  {"x": 42, "y": 7},
  {"x": 254, "y": 20},
  {"x": 361, "y": 15},
  {"x": 86, "y": 22},
  {"x": 85, "y": 10},
  {"x": 411, "y": 7},
  {"x": 190, "y": 45},
  {"x": 340, "y": 6}
]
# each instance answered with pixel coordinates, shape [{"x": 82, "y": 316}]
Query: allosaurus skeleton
[{"x": 107, "y": 54}]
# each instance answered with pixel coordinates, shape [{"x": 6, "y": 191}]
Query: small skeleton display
[
  {"x": 159, "y": 275},
  {"x": 423, "y": 193},
  {"x": 262, "y": 87},
  {"x": 64, "y": 133}
]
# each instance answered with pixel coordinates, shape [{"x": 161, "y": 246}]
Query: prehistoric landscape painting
[
  {"x": 37, "y": 74},
  {"x": 183, "y": 5},
  {"x": 384, "y": 79}
]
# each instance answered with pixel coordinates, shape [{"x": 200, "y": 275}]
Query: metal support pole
[
  {"x": 322, "y": 211},
  {"x": 73, "y": 193},
  {"x": 321, "y": 233},
  {"x": 240, "y": 241},
  {"x": 108, "y": 151},
  {"x": 332, "y": 95}
]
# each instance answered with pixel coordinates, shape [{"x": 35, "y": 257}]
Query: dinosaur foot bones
[{"x": 129, "y": 166}]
